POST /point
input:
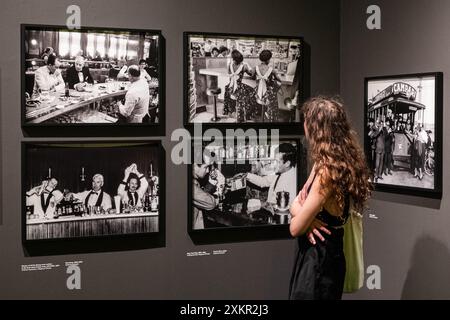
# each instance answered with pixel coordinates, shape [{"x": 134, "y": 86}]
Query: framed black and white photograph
[
  {"x": 403, "y": 133},
  {"x": 91, "y": 76},
  {"x": 244, "y": 184},
  {"x": 245, "y": 79},
  {"x": 78, "y": 190}
]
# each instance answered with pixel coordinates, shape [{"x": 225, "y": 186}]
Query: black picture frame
[
  {"x": 110, "y": 239},
  {"x": 244, "y": 232},
  {"x": 300, "y": 76},
  {"x": 398, "y": 96},
  {"x": 96, "y": 129}
]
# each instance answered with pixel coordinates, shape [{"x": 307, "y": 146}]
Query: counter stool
[{"x": 214, "y": 92}]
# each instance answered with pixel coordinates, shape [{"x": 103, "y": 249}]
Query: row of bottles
[
  {"x": 150, "y": 203},
  {"x": 242, "y": 152},
  {"x": 78, "y": 209}
]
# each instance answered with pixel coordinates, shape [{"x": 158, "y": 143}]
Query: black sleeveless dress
[{"x": 319, "y": 270}]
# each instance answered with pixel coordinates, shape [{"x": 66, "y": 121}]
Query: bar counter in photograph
[
  {"x": 94, "y": 225},
  {"x": 217, "y": 218},
  {"x": 79, "y": 107},
  {"x": 222, "y": 73}
]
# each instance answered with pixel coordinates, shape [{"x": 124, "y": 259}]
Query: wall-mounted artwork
[
  {"x": 91, "y": 76},
  {"x": 79, "y": 190},
  {"x": 245, "y": 79},
  {"x": 403, "y": 133},
  {"x": 245, "y": 184}
]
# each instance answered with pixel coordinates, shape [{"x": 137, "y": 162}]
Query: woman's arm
[
  {"x": 248, "y": 69},
  {"x": 276, "y": 75},
  {"x": 311, "y": 175},
  {"x": 229, "y": 66},
  {"x": 304, "y": 192},
  {"x": 303, "y": 215}
]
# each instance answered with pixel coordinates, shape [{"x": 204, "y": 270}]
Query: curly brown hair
[{"x": 335, "y": 150}]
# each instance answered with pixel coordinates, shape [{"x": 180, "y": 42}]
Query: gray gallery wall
[
  {"x": 250, "y": 270},
  {"x": 410, "y": 240}
]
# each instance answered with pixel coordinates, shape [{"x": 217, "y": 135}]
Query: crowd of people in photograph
[
  {"x": 209, "y": 50},
  {"x": 382, "y": 145}
]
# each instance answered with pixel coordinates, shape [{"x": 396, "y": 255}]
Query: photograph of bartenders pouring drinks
[
  {"x": 91, "y": 189},
  {"x": 94, "y": 76},
  {"x": 240, "y": 79},
  {"x": 245, "y": 184}
]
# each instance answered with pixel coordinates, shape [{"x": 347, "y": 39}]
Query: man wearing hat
[
  {"x": 389, "y": 144},
  {"x": 371, "y": 144}
]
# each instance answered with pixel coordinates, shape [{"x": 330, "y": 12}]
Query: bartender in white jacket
[
  {"x": 137, "y": 98},
  {"x": 95, "y": 197},
  {"x": 44, "y": 199},
  {"x": 285, "y": 177},
  {"x": 133, "y": 186}
]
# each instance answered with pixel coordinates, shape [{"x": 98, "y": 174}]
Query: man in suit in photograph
[
  {"x": 379, "y": 133},
  {"x": 79, "y": 75}
]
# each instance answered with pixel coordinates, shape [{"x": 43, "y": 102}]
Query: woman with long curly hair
[{"x": 340, "y": 176}]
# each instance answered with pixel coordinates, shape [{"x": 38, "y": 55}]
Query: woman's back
[
  {"x": 322, "y": 207},
  {"x": 263, "y": 68},
  {"x": 234, "y": 67}
]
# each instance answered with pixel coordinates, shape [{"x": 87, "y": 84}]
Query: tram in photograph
[{"x": 397, "y": 104}]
